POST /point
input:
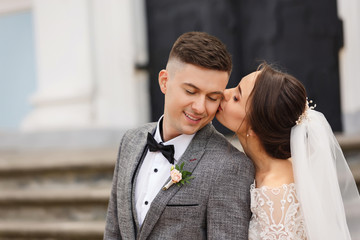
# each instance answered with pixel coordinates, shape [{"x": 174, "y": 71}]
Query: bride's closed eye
[
  {"x": 238, "y": 94},
  {"x": 239, "y": 89}
]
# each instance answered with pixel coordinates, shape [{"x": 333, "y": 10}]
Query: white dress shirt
[{"x": 155, "y": 171}]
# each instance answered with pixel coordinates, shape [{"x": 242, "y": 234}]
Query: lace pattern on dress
[{"x": 276, "y": 214}]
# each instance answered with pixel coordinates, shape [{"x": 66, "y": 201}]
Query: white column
[
  {"x": 122, "y": 95},
  {"x": 349, "y": 13},
  {"x": 64, "y": 66},
  {"x": 86, "y": 55}
]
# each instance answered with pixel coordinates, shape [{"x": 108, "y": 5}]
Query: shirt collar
[{"x": 180, "y": 142}]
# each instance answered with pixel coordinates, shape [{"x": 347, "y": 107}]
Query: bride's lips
[{"x": 220, "y": 108}]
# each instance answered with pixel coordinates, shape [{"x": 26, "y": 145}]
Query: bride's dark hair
[{"x": 275, "y": 103}]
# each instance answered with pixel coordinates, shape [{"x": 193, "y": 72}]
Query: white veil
[{"x": 325, "y": 186}]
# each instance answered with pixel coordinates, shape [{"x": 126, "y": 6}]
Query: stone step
[
  {"x": 355, "y": 169},
  {"x": 40, "y": 161},
  {"x": 349, "y": 142},
  {"x": 54, "y": 205},
  {"x": 79, "y": 196},
  {"x": 58, "y": 180},
  {"x": 56, "y": 169},
  {"x": 31, "y": 230}
]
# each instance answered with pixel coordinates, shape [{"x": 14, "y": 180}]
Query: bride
[{"x": 303, "y": 187}]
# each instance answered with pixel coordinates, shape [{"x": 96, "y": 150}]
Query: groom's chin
[{"x": 189, "y": 130}]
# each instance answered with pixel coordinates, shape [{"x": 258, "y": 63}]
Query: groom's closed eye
[
  {"x": 191, "y": 92},
  {"x": 215, "y": 97}
]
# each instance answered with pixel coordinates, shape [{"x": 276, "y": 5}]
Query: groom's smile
[{"x": 192, "y": 119}]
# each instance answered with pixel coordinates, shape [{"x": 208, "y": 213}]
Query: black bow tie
[{"x": 166, "y": 150}]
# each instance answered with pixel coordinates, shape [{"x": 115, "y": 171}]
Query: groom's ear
[{"x": 163, "y": 79}]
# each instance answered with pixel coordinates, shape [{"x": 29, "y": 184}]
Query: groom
[{"x": 215, "y": 204}]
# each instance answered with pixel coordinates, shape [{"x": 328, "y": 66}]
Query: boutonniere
[{"x": 178, "y": 176}]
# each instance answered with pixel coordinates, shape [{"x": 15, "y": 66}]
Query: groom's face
[{"x": 192, "y": 97}]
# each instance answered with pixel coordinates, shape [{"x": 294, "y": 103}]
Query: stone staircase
[{"x": 55, "y": 194}]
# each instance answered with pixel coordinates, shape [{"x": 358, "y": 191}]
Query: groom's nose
[{"x": 199, "y": 105}]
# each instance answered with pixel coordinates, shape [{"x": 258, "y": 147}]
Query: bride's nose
[{"x": 227, "y": 94}]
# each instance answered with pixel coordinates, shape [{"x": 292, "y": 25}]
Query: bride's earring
[{"x": 247, "y": 135}]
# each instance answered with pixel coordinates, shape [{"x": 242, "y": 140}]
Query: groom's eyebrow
[
  {"x": 240, "y": 90},
  {"x": 193, "y": 86}
]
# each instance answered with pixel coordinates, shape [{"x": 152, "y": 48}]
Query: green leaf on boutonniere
[{"x": 186, "y": 175}]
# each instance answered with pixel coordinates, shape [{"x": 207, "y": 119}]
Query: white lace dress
[{"x": 276, "y": 214}]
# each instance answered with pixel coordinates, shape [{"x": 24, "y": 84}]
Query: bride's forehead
[
  {"x": 251, "y": 76},
  {"x": 249, "y": 80}
]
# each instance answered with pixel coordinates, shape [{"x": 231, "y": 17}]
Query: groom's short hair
[{"x": 203, "y": 50}]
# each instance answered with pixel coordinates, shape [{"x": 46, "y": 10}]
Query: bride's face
[{"x": 232, "y": 109}]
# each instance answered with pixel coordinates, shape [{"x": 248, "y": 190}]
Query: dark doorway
[{"x": 302, "y": 37}]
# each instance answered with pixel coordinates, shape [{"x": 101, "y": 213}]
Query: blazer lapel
[
  {"x": 134, "y": 157},
  {"x": 191, "y": 157},
  {"x": 133, "y": 185}
]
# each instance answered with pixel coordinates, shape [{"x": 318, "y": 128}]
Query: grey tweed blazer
[{"x": 214, "y": 205}]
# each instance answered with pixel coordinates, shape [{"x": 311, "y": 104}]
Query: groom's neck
[{"x": 166, "y": 133}]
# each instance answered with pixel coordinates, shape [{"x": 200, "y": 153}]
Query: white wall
[
  {"x": 349, "y": 13},
  {"x": 119, "y": 40}
]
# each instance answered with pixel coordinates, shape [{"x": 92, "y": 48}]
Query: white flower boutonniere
[{"x": 178, "y": 176}]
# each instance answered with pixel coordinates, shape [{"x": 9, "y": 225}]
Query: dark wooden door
[{"x": 301, "y": 36}]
